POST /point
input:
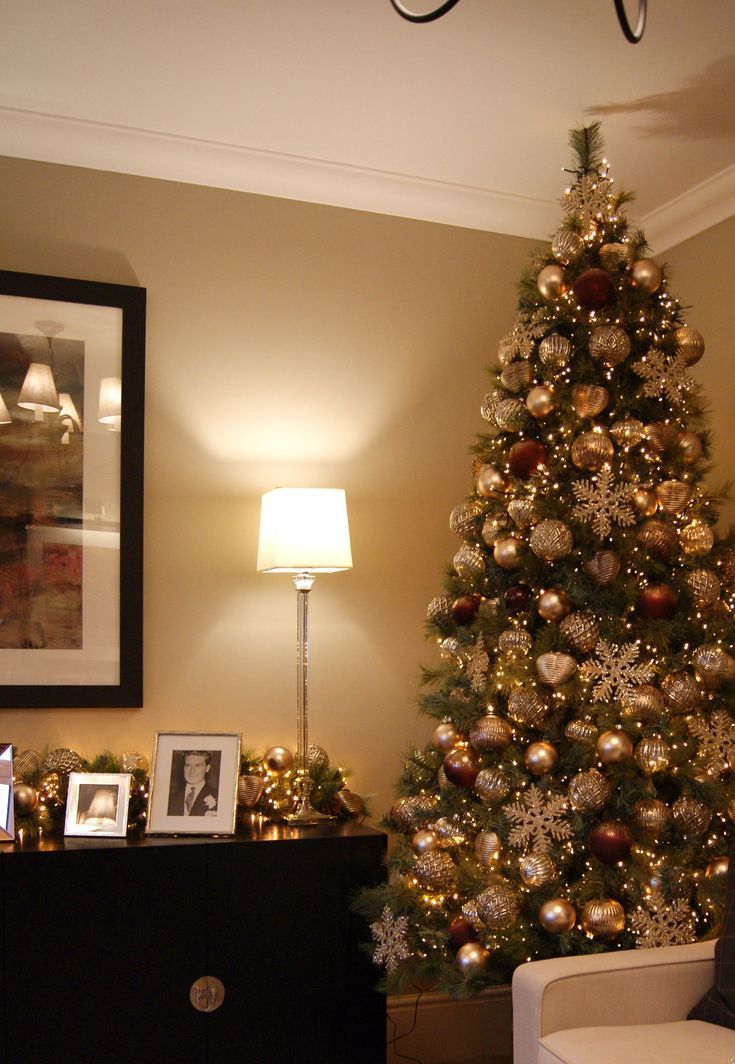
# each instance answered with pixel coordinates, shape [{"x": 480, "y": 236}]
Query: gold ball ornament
[
  {"x": 511, "y": 415},
  {"x": 507, "y": 552},
  {"x": 488, "y": 848},
  {"x": 589, "y": 400},
  {"x": 704, "y": 587},
  {"x": 646, "y": 275},
  {"x": 516, "y": 376},
  {"x": 580, "y": 731},
  {"x": 541, "y": 401},
  {"x": 717, "y": 867},
  {"x": 498, "y": 906},
  {"x": 581, "y": 631},
  {"x": 553, "y": 604},
  {"x": 652, "y": 755},
  {"x": 463, "y": 518},
  {"x": 551, "y": 282},
  {"x": 28, "y": 763},
  {"x": 690, "y": 447},
  {"x": 628, "y": 431},
  {"x": 445, "y": 736},
  {"x": 540, "y": 758},
  {"x": 603, "y": 918},
  {"x": 526, "y": 707},
  {"x": 278, "y": 759},
  {"x": 696, "y": 538},
  {"x": 589, "y": 791},
  {"x": 555, "y": 351},
  {"x": 567, "y": 247},
  {"x": 609, "y": 345},
  {"x": 689, "y": 344},
  {"x": 436, "y": 871},
  {"x": 591, "y": 450},
  {"x": 490, "y": 733},
  {"x": 651, "y": 817},
  {"x": 492, "y": 785},
  {"x": 551, "y": 540},
  {"x": 681, "y": 692},
  {"x": 424, "y": 841},
  {"x": 614, "y": 746},
  {"x": 25, "y": 799},
  {"x": 471, "y": 959},
  {"x": 557, "y": 916},
  {"x": 537, "y": 870},
  {"x": 615, "y": 256},
  {"x": 554, "y": 668},
  {"x": 691, "y": 816},
  {"x": 644, "y": 501}
]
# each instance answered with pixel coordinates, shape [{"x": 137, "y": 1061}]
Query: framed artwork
[
  {"x": 193, "y": 787},
  {"x": 97, "y": 804},
  {"x": 7, "y": 816},
  {"x": 72, "y": 380}
]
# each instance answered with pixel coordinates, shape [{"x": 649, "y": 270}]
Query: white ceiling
[{"x": 463, "y": 120}]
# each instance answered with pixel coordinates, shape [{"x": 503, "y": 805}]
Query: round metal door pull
[{"x": 207, "y": 994}]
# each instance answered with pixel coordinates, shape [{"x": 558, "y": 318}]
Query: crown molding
[{"x": 701, "y": 207}]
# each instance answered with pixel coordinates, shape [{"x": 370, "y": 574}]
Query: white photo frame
[
  {"x": 97, "y": 804},
  {"x": 7, "y": 816},
  {"x": 193, "y": 786}
]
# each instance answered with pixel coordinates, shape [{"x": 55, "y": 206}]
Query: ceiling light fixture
[{"x": 632, "y": 35}]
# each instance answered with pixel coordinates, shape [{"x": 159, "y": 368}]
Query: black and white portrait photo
[{"x": 194, "y": 784}]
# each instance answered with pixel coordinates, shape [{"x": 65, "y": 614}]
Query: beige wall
[{"x": 290, "y": 344}]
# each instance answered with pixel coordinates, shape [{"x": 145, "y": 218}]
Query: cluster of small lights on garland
[
  {"x": 578, "y": 793},
  {"x": 265, "y": 788}
]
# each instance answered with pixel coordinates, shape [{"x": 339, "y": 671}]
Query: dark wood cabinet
[{"x": 103, "y": 939}]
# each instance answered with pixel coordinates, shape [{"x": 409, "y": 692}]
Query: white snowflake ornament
[{"x": 390, "y": 936}]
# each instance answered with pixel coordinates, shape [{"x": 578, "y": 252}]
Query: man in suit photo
[{"x": 193, "y": 795}]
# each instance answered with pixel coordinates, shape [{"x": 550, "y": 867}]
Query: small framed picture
[
  {"x": 193, "y": 789},
  {"x": 7, "y": 826},
  {"x": 97, "y": 804}
]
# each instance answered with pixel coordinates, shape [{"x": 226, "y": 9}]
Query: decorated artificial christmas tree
[{"x": 578, "y": 793}]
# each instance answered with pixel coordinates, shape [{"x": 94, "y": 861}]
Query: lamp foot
[{"x": 305, "y": 813}]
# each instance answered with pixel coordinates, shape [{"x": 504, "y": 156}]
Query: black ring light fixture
[{"x": 632, "y": 35}]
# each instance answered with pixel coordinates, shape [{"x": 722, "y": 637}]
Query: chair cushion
[
  {"x": 682, "y": 1042},
  {"x": 718, "y": 1004}
]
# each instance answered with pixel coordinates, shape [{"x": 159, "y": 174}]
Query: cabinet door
[
  {"x": 100, "y": 948},
  {"x": 285, "y": 945}
]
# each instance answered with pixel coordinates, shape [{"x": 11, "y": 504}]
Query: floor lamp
[{"x": 303, "y": 531}]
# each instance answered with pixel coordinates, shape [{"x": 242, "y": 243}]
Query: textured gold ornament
[
  {"x": 494, "y": 527},
  {"x": 662, "y": 436},
  {"x": 469, "y": 561},
  {"x": 551, "y": 282},
  {"x": 445, "y": 736},
  {"x": 651, "y": 817},
  {"x": 589, "y": 400},
  {"x": 131, "y": 761},
  {"x": 489, "y": 404},
  {"x": 511, "y": 415},
  {"x": 523, "y": 513},
  {"x": 555, "y": 351},
  {"x": 553, "y": 604},
  {"x": 615, "y": 256},
  {"x": 691, "y": 816},
  {"x": 541, "y": 401},
  {"x": 487, "y": 847},
  {"x": 646, "y": 275},
  {"x": 713, "y": 664},
  {"x": 554, "y": 668},
  {"x": 507, "y": 552},
  {"x": 463, "y": 518},
  {"x": 727, "y": 563},
  {"x": 249, "y": 790},
  {"x": 551, "y": 540},
  {"x": 413, "y": 812},
  {"x": 681, "y": 691},
  {"x": 492, "y": 482},
  {"x": 526, "y": 707},
  {"x": 64, "y": 760},
  {"x": 609, "y": 344},
  {"x": 492, "y": 785},
  {"x": 493, "y": 733},
  {"x": 471, "y": 959},
  {"x": 644, "y": 703},
  {"x": 449, "y": 648},
  {"x": 690, "y": 447},
  {"x": 697, "y": 538},
  {"x": 516, "y": 376},
  {"x": 673, "y": 496},
  {"x": 581, "y": 630},
  {"x": 29, "y": 763},
  {"x": 436, "y": 871},
  {"x": 448, "y": 831},
  {"x": 580, "y": 731},
  {"x": 498, "y": 906},
  {"x": 424, "y": 841},
  {"x": 614, "y": 746},
  {"x": 602, "y": 567},
  {"x": 591, "y": 450},
  {"x": 537, "y": 870},
  {"x": 703, "y": 586},
  {"x": 50, "y": 790},
  {"x": 567, "y": 247},
  {"x": 557, "y": 916},
  {"x": 717, "y": 867},
  {"x": 440, "y": 607},
  {"x": 658, "y": 539},
  {"x": 516, "y": 640},
  {"x": 589, "y": 791},
  {"x": 628, "y": 432},
  {"x": 644, "y": 501},
  {"x": 540, "y": 758},
  {"x": 689, "y": 345},
  {"x": 603, "y": 918},
  {"x": 652, "y": 755}
]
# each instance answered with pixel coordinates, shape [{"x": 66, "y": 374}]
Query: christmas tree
[{"x": 578, "y": 792}]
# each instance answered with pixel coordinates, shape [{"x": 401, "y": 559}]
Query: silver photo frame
[
  {"x": 193, "y": 787},
  {"x": 97, "y": 804}
]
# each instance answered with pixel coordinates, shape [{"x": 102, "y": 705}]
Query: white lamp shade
[
  {"x": 110, "y": 400},
  {"x": 68, "y": 409},
  {"x": 39, "y": 391},
  {"x": 304, "y": 530},
  {"x": 5, "y": 417}
]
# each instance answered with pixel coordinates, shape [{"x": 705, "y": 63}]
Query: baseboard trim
[{"x": 477, "y": 1030}]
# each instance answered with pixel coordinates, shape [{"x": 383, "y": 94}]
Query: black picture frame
[{"x": 109, "y": 323}]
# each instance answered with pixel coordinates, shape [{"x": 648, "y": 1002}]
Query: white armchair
[{"x": 626, "y": 1007}]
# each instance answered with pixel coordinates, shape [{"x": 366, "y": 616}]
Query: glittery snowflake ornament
[
  {"x": 716, "y": 737},
  {"x": 478, "y": 665},
  {"x": 602, "y": 502},
  {"x": 390, "y": 935},
  {"x": 616, "y": 670},
  {"x": 589, "y": 200},
  {"x": 664, "y": 377},
  {"x": 663, "y": 924},
  {"x": 539, "y": 820},
  {"x": 521, "y": 340}
]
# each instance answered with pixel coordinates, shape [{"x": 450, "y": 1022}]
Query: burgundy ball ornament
[
  {"x": 646, "y": 275},
  {"x": 464, "y": 609},
  {"x": 657, "y": 602},
  {"x": 551, "y": 282},
  {"x": 518, "y": 598},
  {"x": 610, "y": 842},
  {"x": 461, "y": 766},
  {"x": 525, "y": 457},
  {"x": 461, "y": 932},
  {"x": 594, "y": 289}
]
